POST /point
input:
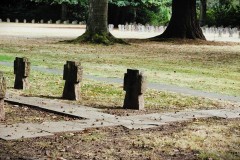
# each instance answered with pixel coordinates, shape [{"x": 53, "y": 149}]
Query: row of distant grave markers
[
  {"x": 42, "y": 21},
  {"x": 220, "y": 31},
  {"x": 134, "y": 83}
]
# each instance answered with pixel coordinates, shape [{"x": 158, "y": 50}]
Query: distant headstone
[
  {"x": 58, "y": 21},
  {"x": 66, "y": 22},
  {"x": 219, "y": 33},
  {"x": 72, "y": 74},
  {"x": 74, "y": 22},
  {"x": 135, "y": 86},
  {"x": 24, "y": 21},
  {"x": 33, "y": 21},
  {"x": 119, "y": 27},
  {"x": 3, "y": 88},
  {"x": 110, "y": 27},
  {"x": 8, "y": 20},
  {"x": 41, "y": 21},
  {"x": 230, "y": 32},
  {"x": 0, "y": 20},
  {"x": 21, "y": 71},
  {"x": 50, "y": 22}
]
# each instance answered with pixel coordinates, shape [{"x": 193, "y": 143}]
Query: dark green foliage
[
  {"x": 156, "y": 12},
  {"x": 26, "y": 9},
  {"x": 224, "y": 15},
  {"x": 154, "y": 15}
]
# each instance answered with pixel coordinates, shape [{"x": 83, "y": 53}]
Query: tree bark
[
  {"x": 183, "y": 23},
  {"x": 134, "y": 14},
  {"x": 64, "y": 12},
  {"x": 97, "y": 25},
  {"x": 203, "y": 12}
]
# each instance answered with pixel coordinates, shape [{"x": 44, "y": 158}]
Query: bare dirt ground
[
  {"x": 24, "y": 114},
  {"x": 198, "y": 139}
]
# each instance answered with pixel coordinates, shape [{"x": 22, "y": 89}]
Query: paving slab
[
  {"x": 140, "y": 126},
  {"x": 156, "y": 117},
  {"x": 224, "y": 113},
  {"x": 188, "y": 115},
  {"x": 60, "y": 107},
  {"x": 59, "y": 127},
  {"x": 21, "y": 130},
  {"x": 72, "y": 126}
]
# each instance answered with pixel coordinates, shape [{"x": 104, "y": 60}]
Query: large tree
[
  {"x": 183, "y": 23},
  {"x": 97, "y": 25},
  {"x": 203, "y": 12}
]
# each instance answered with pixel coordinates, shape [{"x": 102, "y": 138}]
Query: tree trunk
[
  {"x": 97, "y": 20},
  {"x": 134, "y": 14},
  {"x": 183, "y": 23},
  {"x": 64, "y": 12},
  {"x": 97, "y": 25},
  {"x": 203, "y": 12}
]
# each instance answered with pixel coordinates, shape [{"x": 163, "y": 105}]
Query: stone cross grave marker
[
  {"x": 135, "y": 86},
  {"x": 2, "y": 95},
  {"x": 21, "y": 71},
  {"x": 72, "y": 74}
]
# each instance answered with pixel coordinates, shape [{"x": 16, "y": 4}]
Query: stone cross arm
[
  {"x": 22, "y": 67},
  {"x": 73, "y": 72},
  {"x": 2, "y": 86}
]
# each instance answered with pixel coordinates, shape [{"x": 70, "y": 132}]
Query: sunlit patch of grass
[{"x": 6, "y": 58}]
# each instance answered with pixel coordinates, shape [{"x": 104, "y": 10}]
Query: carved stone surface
[
  {"x": 2, "y": 95},
  {"x": 72, "y": 74},
  {"x": 21, "y": 71},
  {"x": 135, "y": 86}
]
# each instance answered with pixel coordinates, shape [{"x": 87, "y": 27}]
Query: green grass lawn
[
  {"x": 213, "y": 67},
  {"x": 108, "y": 96}
]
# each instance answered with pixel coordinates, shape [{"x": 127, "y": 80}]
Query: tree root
[{"x": 97, "y": 38}]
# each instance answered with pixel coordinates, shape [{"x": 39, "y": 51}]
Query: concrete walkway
[
  {"x": 94, "y": 118},
  {"x": 156, "y": 86}
]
